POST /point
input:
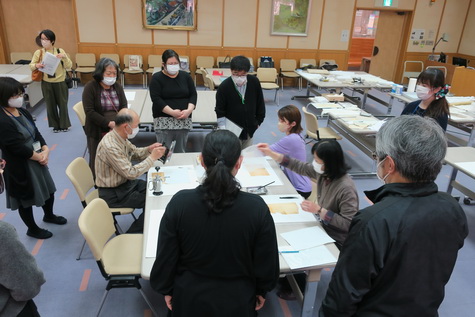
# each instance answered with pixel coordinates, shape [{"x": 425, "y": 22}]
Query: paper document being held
[
  {"x": 51, "y": 62},
  {"x": 231, "y": 126}
]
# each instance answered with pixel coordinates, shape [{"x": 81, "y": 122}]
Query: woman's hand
[
  {"x": 175, "y": 113},
  {"x": 168, "y": 301},
  {"x": 43, "y": 158},
  {"x": 185, "y": 114},
  {"x": 39, "y": 65},
  {"x": 60, "y": 55},
  {"x": 265, "y": 149},
  {"x": 310, "y": 206}
]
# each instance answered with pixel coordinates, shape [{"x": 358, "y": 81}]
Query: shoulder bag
[
  {"x": 36, "y": 75},
  {"x": 68, "y": 80}
]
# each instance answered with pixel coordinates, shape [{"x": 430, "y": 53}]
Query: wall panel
[
  {"x": 467, "y": 45},
  {"x": 239, "y": 23},
  {"x": 170, "y": 38},
  {"x": 209, "y": 23},
  {"x": 337, "y": 16},
  {"x": 313, "y": 31},
  {"x": 453, "y": 19},
  {"x": 426, "y": 17},
  {"x": 264, "y": 38},
  {"x": 95, "y": 21},
  {"x": 129, "y": 23}
]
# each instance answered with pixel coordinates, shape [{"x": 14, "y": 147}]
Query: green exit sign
[{"x": 387, "y": 3}]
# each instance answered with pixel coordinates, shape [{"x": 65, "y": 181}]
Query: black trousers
[{"x": 30, "y": 310}]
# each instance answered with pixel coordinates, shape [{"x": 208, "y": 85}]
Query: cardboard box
[{"x": 334, "y": 97}]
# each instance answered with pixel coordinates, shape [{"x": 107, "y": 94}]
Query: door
[{"x": 387, "y": 44}]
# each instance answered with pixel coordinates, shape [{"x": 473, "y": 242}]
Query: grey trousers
[
  {"x": 56, "y": 98},
  {"x": 167, "y": 136}
]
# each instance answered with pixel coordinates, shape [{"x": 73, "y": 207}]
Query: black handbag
[
  {"x": 225, "y": 64},
  {"x": 68, "y": 80}
]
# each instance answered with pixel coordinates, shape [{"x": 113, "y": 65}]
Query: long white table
[
  {"x": 313, "y": 273},
  {"x": 461, "y": 159}
]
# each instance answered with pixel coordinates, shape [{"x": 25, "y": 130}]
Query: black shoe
[
  {"x": 286, "y": 295},
  {"x": 39, "y": 234},
  {"x": 58, "y": 220}
]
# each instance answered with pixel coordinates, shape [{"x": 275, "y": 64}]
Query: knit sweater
[{"x": 20, "y": 277}]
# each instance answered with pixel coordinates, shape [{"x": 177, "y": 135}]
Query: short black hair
[
  {"x": 9, "y": 87},
  {"x": 49, "y": 35},
  {"x": 331, "y": 153},
  {"x": 101, "y": 66},
  {"x": 240, "y": 63},
  {"x": 169, "y": 54}
]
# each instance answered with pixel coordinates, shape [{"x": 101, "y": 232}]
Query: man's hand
[
  {"x": 157, "y": 153},
  {"x": 168, "y": 301},
  {"x": 260, "y": 302},
  {"x": 153, "y": 146}
]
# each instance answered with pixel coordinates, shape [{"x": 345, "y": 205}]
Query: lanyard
[
  {"x": 11, "y": 115},
  {"x": 239, "y": 93},
  {"x": 417, "y": 107}
]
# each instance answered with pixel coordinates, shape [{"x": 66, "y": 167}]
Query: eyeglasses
[{"x": 376, "y": 157}]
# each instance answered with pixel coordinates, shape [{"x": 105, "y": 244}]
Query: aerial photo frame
[
  {"x": 290, "y": 17},
  {"x": 169, "y": 14}
]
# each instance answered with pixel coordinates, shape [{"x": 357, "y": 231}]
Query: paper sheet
[
  {"x": 51, "y": 62},
  {"x": 285, "y": 217},
  {"x": 152, "y": 237},
  {"x": 307, "y": 238},
  {"x": 174, "y": 179},
  {"x": 311, "y": 257},
  {"x": 130, "y": 95},
  {"x": 233, "y": 127},
  {"x": 252, "y": 151},
  {"x": 256, "y": 171}
]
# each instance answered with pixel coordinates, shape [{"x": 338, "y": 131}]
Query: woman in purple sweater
[{"x": 293, "y": 145}]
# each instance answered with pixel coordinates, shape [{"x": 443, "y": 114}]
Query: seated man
[
  {"x": 116, "y": 177},
  {"x": 400, "y": 252}
]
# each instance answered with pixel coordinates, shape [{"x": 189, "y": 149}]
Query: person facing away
[
  {"x": 431, "y": 90},
  {"x": 174, "y": 96},
  {"x": 401, "y": 251},
  {"x": 27, "y": 178},
  {"x": 337, "y": 199},
  {"x": 53, "y": 87},
  {"x": 240, "y": 99},
  {"x": 293, "y": 145},
  {"x": 102, "y": 99},
  {"x": 116, "y": 176},
  {"x": 217, "y": 249}
]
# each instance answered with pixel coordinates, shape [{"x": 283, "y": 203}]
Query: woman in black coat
[{"x": 27, "y": 178}]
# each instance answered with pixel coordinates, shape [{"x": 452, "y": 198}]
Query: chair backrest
[
  {"x": 329, "y": 61},
  {"x": 442, "y": 68},
  {"x": 16, "y": 56},
  {"x": 221, "y": 59},
  {"x": 154, "y": 61},
  {"x": 416, "y": 67},
  {"x": 97, "y": 226},
  {"x": 267, "y": 75},
  {"x": 311, "y": 122},
  {"x": 308, "y": 61},
  {"x": 209, "y": 81},
  {"x": 204, "y": 61},
  {"x": 85, "y": 60},
  {"x": 114, "y": 57},
  {"x": 79, "y": 109},
  {"x": 80, "y": 175},
  {"x": 288, "y": 65},
  {"x": 126, "y": 60}
]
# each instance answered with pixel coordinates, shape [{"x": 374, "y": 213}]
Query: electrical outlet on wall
[{"x": 344, "y": 35}]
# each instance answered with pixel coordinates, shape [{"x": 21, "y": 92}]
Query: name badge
[{"x": 37, "y": 146}]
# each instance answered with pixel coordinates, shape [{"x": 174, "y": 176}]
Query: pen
[
  {"x": 266, "y": 185},
  {"x": 288, "y": 197},
  {"x": 289, "y": 251}
]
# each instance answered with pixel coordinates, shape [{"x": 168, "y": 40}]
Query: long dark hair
[
  {"x": 434, "y": 78},
  {"x": 331, "y": 153},
  {"x": 221, "y": 151}
]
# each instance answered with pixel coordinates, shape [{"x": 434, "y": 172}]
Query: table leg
[
  {"x": 307, "y": 95},
  {"x": 365, "y": 97},
  {"x": 390, "y": 105},
  {"x": 471, "y": 138},
  {"x": 308, "y": 303},
  {"x": 452, "y": 178}
]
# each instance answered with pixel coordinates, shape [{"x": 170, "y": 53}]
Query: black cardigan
[
  {"x": 96, "y": 123},
  {"x": 17, "y": 154}
]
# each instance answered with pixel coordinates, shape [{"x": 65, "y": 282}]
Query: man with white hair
[{"x": 400, "y": 252}]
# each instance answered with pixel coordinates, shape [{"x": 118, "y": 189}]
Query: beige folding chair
[
  {"x": 73, "y": 72},
  {"x": 153, "y": 62},
  {"x": 80, "y": 175},
  {"x": 79, "y": 110},
  {"x": 119, "y": 258},
  {"x": 416, "y": 68},
  {"x": 16, "y": 56},
  {"x": 252, "y": 65},
  {"x": 209, "y": 82},
  {"x": 203, "y": 62},
  {"x": 268, "y": 79},
  {"x": 221, "y": 59},
  {"x": 114, "y": 57},
  {"x": 127, "y": 70},
  {"x": 287, "y": 67},
  {"x": 307, "y": 61},
  {"x": 442, "y": 68},
  {"x": 85, "y": 63},
  {"x": 314, "y": 132}
]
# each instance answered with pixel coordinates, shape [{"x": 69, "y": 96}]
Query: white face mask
[
  {"x": 134, "y": 132},
  {"x": 382, "y": 179},
  {"x": 109, "y": 81},
  {"x": 46, "y": 43},
  {"x": 317, "y": 167},
  {"x": 423, "y": 93},
  {"x": 173, "y": 69},
  {"x": 15, "y": 102},
  {"x": 239, "y": 80}
]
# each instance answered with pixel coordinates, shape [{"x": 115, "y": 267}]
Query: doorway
[{"x": 362, "y": 39}]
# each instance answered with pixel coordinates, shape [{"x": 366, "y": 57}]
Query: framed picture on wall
[
  {"x": 169, "y": 14},
  {"x": 290, "y": 17}
]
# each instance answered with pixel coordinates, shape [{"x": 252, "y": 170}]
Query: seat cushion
[
  {"x": 269, "y": 86},
  {"x": 123, "y": 254}
]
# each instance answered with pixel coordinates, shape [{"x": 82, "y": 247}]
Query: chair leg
[
  {"x": 102, "y": 302},
  {"x": 80, "y": 252},
  {"x": 154, "y": 313},
  {"x": 275, "y": 97}
]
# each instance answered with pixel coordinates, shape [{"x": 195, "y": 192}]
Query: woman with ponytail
[
  {"x": 431, "y": 90},
  {"x": 217, "y": 248}
]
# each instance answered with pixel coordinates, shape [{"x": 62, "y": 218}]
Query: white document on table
[
  {"x": 233, "y": 127},
  {"x": 286, "y": 208},
  {"x": 317, "y": 256},
  {"x": 467, "y": 166},
  {"x": 130, "y": 95},
  {"x": 307, "y": 238},
  {"x": 255, "y": 172},
  {"x": 153, "y": 228},
  {"x": 252, "y": 151},
  {"x": 51, "y": 62},
  {"x": 174, "y": 179}
]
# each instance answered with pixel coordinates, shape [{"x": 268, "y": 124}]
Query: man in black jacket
[
  {"x": 239, "y": 98},
  {"x": 400, "y": 252}
]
